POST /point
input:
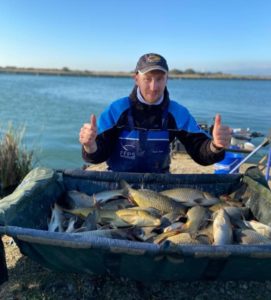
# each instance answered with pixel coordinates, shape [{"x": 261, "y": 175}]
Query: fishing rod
[{"x": 265, "y": 142}]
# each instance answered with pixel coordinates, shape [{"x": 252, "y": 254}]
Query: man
[{"x": 134, "y": 133}]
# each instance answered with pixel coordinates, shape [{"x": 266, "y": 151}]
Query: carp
[
  {"x": 147, "y": 198},
  {"x": 190, "y": 197}
]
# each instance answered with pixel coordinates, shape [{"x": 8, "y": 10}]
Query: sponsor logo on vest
[
  {"x": 127, "y": 154},
  {"x": 128, "y": 147}
]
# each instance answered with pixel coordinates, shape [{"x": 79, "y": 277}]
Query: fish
[
  {"x": 81, "y": 212},
  {"x": 224, "y": 203},
  {"x": 159, "y": 238},
  {"x": 170, "y": 218},
  {"x": 104, "y": 196},
  {"x": 237, "y": 212},
  {"x": 240, "y": 194},
  {"x": 205, "y": 235},
  {"x": 57, "y": 219},
  {"x": 139, "y": 217},
  {"x": 121, "y": 217},
  {"x": 222, "y": 228},
  {"x": 71, "y": 224},
  {"x": 76, "y": 199},
  {"x": 146, "y": 198},
  {"x": 237, "y": 215},
  {"x": 183, "y": 238},
  {"x": 259, "y": 227},
  {"x": 250, "y": 236},
  {"x": 90, "y": 222},
  {"x": 174, "y": 226},
  {"x": 197, "y": 217},
  {"x": 145, "y": 234},
  {"x": 190, "y": 197},
  {"x": 116, "y": 204}
]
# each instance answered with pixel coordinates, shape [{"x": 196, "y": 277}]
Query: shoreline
[{"x": 87, "y": 73}]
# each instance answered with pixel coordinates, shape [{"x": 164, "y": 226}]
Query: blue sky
[{"x": 206, "y": 35}]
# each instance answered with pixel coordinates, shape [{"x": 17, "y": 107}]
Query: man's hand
[
  {"x": 88, "y": 134},
  {"x": 221, "y": 134}
]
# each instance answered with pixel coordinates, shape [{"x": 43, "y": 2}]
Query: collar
[{"x": 142, "y": 100}]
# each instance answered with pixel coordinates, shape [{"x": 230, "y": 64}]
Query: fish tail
[{"x": 125, "y": 187}]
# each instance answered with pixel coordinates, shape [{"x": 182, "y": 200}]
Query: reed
[{"x": 15, "y": 159}]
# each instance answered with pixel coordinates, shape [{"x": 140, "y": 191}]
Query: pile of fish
[{"x": 178, "y": 216}]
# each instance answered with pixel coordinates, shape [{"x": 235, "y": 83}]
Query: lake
[{"x": 53, "y": 108}]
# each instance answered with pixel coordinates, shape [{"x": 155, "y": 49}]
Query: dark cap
[{"x": 151, "y": 61}]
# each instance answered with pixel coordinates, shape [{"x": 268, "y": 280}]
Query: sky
[{"x": 231, "y": 36}]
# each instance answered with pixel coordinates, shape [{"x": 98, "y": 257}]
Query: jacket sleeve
[
  {"x": 105, "y": 144},
  {"x": 198, "y": 146},
  {"x": 197, "y": 142},
  {"x": 108, "y": 131}
]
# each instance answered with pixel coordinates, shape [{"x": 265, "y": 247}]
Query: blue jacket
[{"x": 135, "y": 137}]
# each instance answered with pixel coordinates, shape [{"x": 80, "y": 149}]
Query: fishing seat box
[{"x": 24, "y": 215}]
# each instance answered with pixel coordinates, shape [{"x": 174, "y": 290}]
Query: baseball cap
[{"x": 151, "y": 61}]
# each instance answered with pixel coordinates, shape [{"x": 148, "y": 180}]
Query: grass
[{"x": 15, "y": 159}]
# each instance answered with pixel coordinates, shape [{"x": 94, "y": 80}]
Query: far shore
[{"x": 172, "y": 75}]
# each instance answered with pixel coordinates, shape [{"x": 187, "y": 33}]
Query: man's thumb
[
  {"x": 93, "y": 121},
  {"x": 217, "y": 120}
]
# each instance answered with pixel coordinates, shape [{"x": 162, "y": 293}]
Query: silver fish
[
  {"x": 169, "y": 218},
  {"x": 91, "y": 221},
  {"x": 71, "y": 224},
  {"x": 205, "y": 235},
  {"x": 76, "y": 199},
  {"x": 191, "y": 197},
  {"x": 222, "y": 228},
  {"x": 57, "y": 219},
  {"x": 159, "y": 238},
  {"x": 237, "y": 212},
  {"x": 249, "y": 237},
  {"x": 237, "y": 215},
  {"x": 259, "y": 227},
  {"x": 174, "y": 226},
  {"x": 144, "y": 234},
  {"x": 102, "y": 197},
  {"x": 116, "y": 204},
  {"x": 197, "y": 217}
]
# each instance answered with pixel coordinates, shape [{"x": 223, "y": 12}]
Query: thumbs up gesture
[
  {"x": 221, "y": 133},
  {"x": 88, "y": 134}
]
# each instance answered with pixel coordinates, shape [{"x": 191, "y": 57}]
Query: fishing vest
[{"x": 141, "y": 150}]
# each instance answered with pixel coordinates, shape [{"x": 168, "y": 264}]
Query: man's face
[{"x": 151, "y": 84}]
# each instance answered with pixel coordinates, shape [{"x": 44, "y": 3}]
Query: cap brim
[{"x": 153, "y": 68}]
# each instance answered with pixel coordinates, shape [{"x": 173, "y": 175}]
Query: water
[{"x": 53, "y": 108}]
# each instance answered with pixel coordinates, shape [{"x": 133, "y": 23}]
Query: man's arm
[
  {"x": 200, "y": 146},
  {"x": 105, "y": 143},
  {"x": 95, "y": 148}
]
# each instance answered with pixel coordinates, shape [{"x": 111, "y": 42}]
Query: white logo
[{"x": 127, "y": 154}]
